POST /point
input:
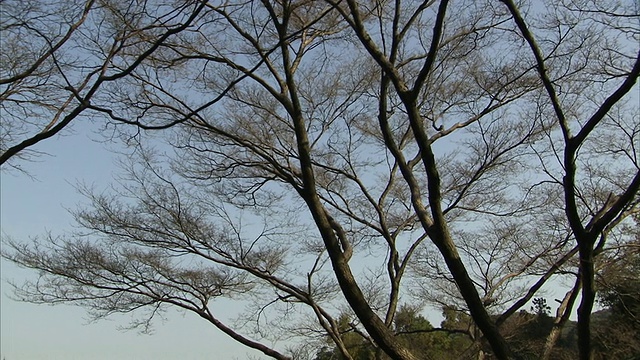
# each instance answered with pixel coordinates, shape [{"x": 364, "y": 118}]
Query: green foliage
[
  {"x": 620, "y": 286},
  {"x": 540, "y": 307},
  {"x": 616, "y": 329},
  {"x": 417, "y": 334},
  {"x": 413, "y": 331},
  {"x": 617, "y": 333},
  {"x": 359, "y": 348},
  {"x": 455, "y": 320},
  {"x": 527, "y": 332}
]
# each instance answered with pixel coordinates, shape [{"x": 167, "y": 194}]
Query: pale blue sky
[{"x": 30, "y": 207}]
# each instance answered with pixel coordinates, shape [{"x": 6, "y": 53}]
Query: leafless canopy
[{"x": 327, "y": 155}]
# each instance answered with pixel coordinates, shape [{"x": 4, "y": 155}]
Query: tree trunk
[{"x": 562, "y": 315}]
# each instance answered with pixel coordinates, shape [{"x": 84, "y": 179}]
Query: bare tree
[
  {"x": 61, "y": 60},
  {"x": 469, "y": 149}
]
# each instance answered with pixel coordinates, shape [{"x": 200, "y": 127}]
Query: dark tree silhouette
[{"x": 329, "y": 155}]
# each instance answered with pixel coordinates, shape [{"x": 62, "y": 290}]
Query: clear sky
[{"x": 32, "y": 206}]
